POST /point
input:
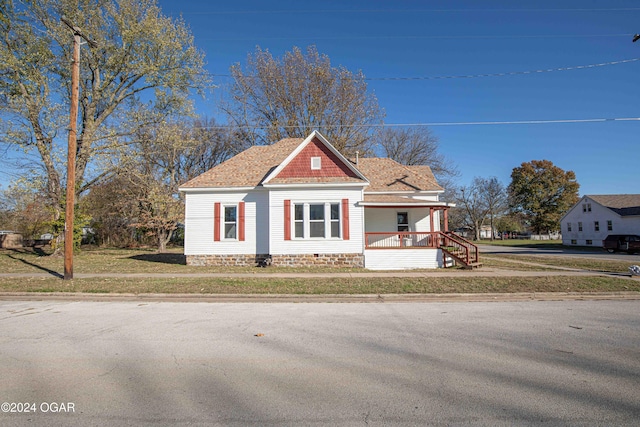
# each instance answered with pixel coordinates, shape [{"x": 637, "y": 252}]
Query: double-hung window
[
  {"x": 230, "y": 222},
  {"x": 317, "y": 220},
  {"x": 596, "y": 225}
]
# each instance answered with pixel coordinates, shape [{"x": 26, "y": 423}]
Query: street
[
  {"x": 490, "y": 363},
  {"x": 578, "y": 252}
]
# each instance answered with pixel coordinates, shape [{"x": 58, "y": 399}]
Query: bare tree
[
  {"x": 472, "y": 206},
  {"x": 146, "y": 173},
  {"x": 496, "y": 198},
  {"x": 417, "y": 146},
  {"x": 274, "y": 98}
]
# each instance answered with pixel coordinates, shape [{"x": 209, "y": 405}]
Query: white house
[
  {"x": 593, "y": 218},
  {"x": 300, "y": 202}
]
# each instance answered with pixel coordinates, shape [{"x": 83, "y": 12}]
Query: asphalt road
[
  {"x": 594, "y": 254},
  {"x": 500, "y": 363}
]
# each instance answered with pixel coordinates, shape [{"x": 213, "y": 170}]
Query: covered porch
[{"x": 409, "y": 233}]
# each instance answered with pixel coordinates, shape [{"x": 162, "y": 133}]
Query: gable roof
[
  {"x": 296, "y": 168},
  {"x": 278, "y": 164},
  {"x": 622, "y": 204},
  {"x": 387, "y": 175},
  {"x": 246, "y": 169}
]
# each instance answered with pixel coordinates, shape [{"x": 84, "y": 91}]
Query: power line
[
  {"x": 471, "y": 76},
  {"x": 415, "y": 37},
  {"x": 422, "y": 124},
  {"x": 317, "y": 11}
]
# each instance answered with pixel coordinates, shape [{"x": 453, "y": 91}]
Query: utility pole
[{"x": 72, "y": 147}]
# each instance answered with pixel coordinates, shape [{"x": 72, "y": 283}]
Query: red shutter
[
  {"x": 216, "y": 222},
  {"x": 287, "y": 220},
  {"x": 241, "y": 221},
  {"x": 345, "y": 219}
]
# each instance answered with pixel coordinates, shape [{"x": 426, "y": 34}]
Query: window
[
  {"x": 335, "y": 220},
  {"x": 596, "y": 225},
  {"x": 588, "y": 207},
  {"x": 568, "y": 226},
  {"x": 316, "y": 163},
  {"x": 579, "y": 226},
  {"x": 589, "y": 242},
  {"x": 298, "y": 219},
  {"x": 574, "y": 242},
  {"x": 230, "y": 222},
  {"x": 584, "y": 208},
  {"x": 403, "y": 221},
  {"x": 609, "y": 225},
  {"x": 317, "y": 220}
]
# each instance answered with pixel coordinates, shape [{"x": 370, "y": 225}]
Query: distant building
[{"x": 593, "y": 218}]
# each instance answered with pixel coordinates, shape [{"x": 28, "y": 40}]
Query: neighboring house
[
  {"x": 300, "y": 202},
  {"x": 593, "y": 218}
]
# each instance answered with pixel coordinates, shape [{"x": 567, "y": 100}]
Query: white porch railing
[{"x": 400, "y": 239}]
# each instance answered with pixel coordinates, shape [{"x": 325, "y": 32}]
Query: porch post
[
  {"x": 431, "y": 219},
  {"x": 446, "y": 220}
]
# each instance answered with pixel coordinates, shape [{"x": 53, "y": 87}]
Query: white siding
[
  {"x": 621, "y": 225},
  {"x": 385, "y": 219},
  {"x": 399, "y": 259},
  {"x": 279, "y": 246},
  {"x": 199, "y": 224}
]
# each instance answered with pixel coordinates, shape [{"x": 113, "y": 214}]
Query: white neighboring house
[
  {"x": 300, "y": 202},
  {"x": 593, "y": 218}
]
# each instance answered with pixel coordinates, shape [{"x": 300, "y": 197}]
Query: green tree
[
  {"x": 542, "y": 192},
  {"x": 144, "y": 68},
  {"x": 275, "y": 98}
]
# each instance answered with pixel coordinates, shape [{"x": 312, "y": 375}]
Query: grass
[
  {"x": 524, "y": 243},
  {"x": 318, "y": 286},
  {"x": 148, "y": 261},
  {"x": 547, "y": 262}
]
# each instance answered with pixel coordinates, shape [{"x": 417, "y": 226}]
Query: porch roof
[{"x": 388, "y": 200}]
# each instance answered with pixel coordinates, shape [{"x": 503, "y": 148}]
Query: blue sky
[{"x": 432, "y": 39}]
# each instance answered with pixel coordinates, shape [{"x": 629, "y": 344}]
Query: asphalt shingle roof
[
  {"x": 252, "y": 166},
  {"x": 387, "y": 175},
  {"x": 622, "y": 204}
]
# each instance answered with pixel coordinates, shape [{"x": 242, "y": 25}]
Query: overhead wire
[
  {"x": 471, "y": 76},
  {"x": 422, "y": 124}
]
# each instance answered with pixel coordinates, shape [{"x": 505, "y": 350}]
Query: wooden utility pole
[{"x": 72, "y": 148}]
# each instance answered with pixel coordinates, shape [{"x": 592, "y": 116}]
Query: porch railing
[
  {"x": 400, "y": 239},
  {"x": 453, "y": 245}
]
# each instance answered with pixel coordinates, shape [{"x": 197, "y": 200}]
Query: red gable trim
[{"x": 300, "y": 166}]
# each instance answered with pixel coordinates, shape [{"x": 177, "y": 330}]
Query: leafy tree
[
  {"x": 23, "y": 209},
  {"x": 542, "y": 192},
  {"x": 145, "y": 62},
  {"x": 417, "y": 146},
  {"x": 275, "y": 98}
]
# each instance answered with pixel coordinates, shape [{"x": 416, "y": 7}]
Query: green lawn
[{"x": 148, "y": 261}]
